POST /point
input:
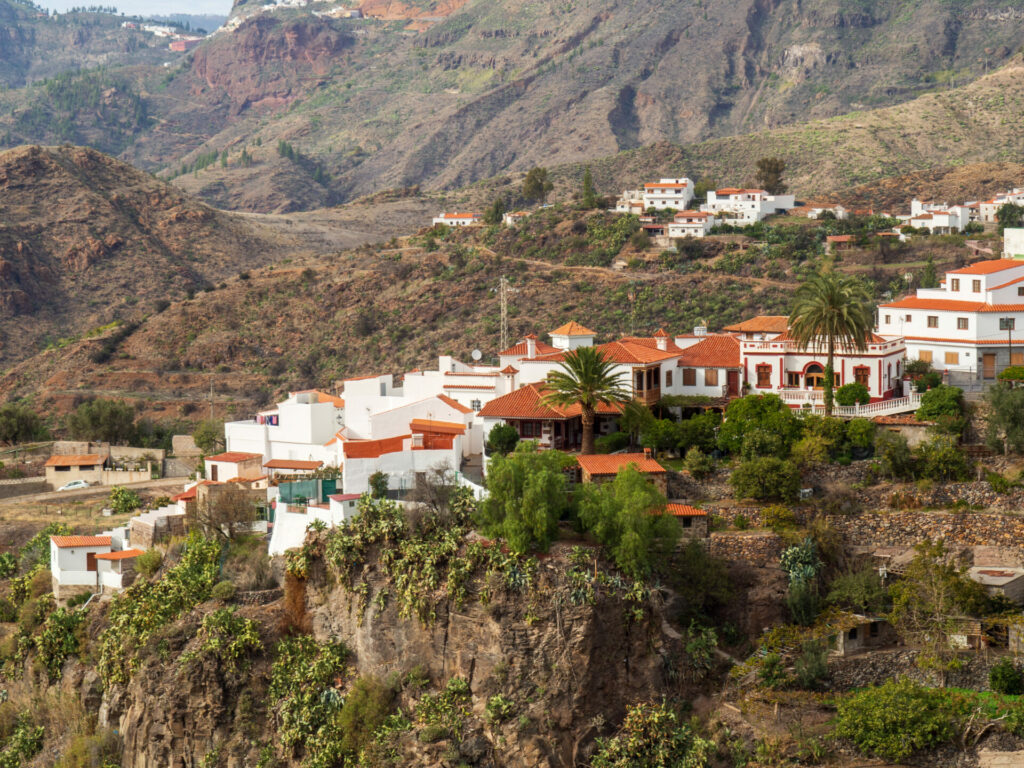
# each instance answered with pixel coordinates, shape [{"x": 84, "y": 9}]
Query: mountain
[{"x": 442, "y": 94}]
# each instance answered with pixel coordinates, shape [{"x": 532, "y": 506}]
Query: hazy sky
[{"x": 147, "y": 7}]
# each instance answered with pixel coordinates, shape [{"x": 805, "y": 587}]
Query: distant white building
[
  {"x": 690, "y": 224},
  {"x": 740, "y": 207},
  {"x": 458, "y": 219},
  {"x": 91, "y": 563},
  {"x": 1013, "y": 243},
  {"x": 514, "y": 218},
  {"x": 665, "y": 193}
]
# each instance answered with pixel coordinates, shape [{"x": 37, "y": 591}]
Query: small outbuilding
[
  {"x": 601, "y": 467},
  {"x": 865, "y": 633},
  {"x": 692, "y": 521},
  {"x": 998, "y": 580}
]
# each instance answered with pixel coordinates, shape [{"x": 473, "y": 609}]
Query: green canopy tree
[
  {"x": 103, "y": 421},
  {"x": 1005, "y": 423},
  {"x": 209, "y": 435},
  {"x": 536, "y": 184},
  {"x": 20, "y": 424},
  {"x": 586, "y": 377},
  {"x": 493, "y": 214},
  {"x": 627, "y": 517},
  {"x": 526, "y": 497},
  {"x": 769, "y": 175},
  {"x": 832, "y": 310},
  {"x": 589, "y": 195}
]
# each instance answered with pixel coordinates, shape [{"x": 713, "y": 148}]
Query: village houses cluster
[{"x": 314, "y": 454}]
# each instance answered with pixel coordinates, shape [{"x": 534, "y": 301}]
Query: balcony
[{"x": 648, "y": 397}]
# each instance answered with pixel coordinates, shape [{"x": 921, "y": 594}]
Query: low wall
[
  {"x": 23, "y": 486},
  {"x": 878, "y": 666},
  {"x": 907, "y": 528},
  {"x": 760, "y": 549}
]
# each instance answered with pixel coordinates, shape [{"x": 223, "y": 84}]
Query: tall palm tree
[
  {"x": 829, "y": 310},
  {"x": 586, "y": 378}
]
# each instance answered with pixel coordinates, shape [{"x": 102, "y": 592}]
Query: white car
[{"x": 74, "y": 485}]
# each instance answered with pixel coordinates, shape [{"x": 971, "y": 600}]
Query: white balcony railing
[{"x": 812, "y": 401}]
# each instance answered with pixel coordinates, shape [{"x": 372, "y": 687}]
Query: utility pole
[
  {"x": 503, "y": 291},
  {"x": 211, "y": 398}
]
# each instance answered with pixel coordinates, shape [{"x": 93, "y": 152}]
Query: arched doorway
[{"x": 814, "y": 377}]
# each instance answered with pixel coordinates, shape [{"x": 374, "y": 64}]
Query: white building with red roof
[
  {"x": 459, "y": 219},
  {"x": 665, "y": 193},
  {"x": 91, "y": 563},
  {"x": 974, "y": 322},
  {"x": 690, "y": 224},
  {"x": 739, "y": 207}
]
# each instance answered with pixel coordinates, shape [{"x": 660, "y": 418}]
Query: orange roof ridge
[
  {"x": 572, "y": 328},
  {"x": 78, "y": 460},
  {"x": 81, "y": 541},
  {"x": 454, "y": 404},
  {"x": 988, "y": 267},
  {"x": 611, "y": 463}
]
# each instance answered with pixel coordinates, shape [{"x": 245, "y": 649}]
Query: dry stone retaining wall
[{"x": 878, "y": 666}]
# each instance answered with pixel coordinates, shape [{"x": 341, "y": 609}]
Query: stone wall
[
  {"x": 759, "y": 549},
  {"x": 907, "y": 528},
  {"x": 877, "y": 667}
]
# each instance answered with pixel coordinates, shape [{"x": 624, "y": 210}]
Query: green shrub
[
  {"x": 778, "y": 518},
  {"x": 8, "y": 565},
  {"x": 499, "y": 709},
  {"x": 999, "y": 483},
  {"x": 810, "y": 451},
  {"x": 1013, "y": 373},
  {"x": 502, "y": 439},
  {"x": 741, "y": 523},
  {"x": 941, "y": 401},
  {"x": 616, "y": 441},
  {"x": 861, "y": 433},
  {"x": 896, "y": 719},
  {"x": 853, "y": 393},
  {"x": 124, "y": 501},
  {"x": 811, "y": 667},
  {"x": 24, "y": 743},
  {"x": 1005, "y": 678},
  {"x": 653, "y": 736},
  {"x": 367, "y": 706},
  {"x": 149, "y": 562},
  {"x": 698, "y": 463},
  {"x": 941, "y": 459},
  {"x": 95, "y": 750},
  {"x": 223, "y": 591},
  {"x": 772, "y": 673},
  {"x": 767, "y": 478}
]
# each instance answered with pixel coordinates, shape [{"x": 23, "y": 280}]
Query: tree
[
  {"x": 635, "y": 418},
  {"x": 589, "y": 195},
  {"x": 20, "y": 424},
  {"x": 941, "y": 401},
  {"x": 502, "y": 440},
  {"x": 653, "y": 736},
  {"x": 769, "y": 175},
  {"x": 628, "y": 517},
  {"x": 378, "y": 483},
  {"x": 1010, "y": 215},
  {"x": 661, "y": 435},
  {"x": 765, "y": 479},
  {"x": 209, "y": 436},
  {"x": 1004, "y": 429},
  {"x": 526, "y": 497},
  {"x": 767, "y": 413},
  {"x": 831, "y": 310},
  {"x": 942, "y": 460},
  {"x": 493, "y": 214},
  {"x": 853, "y": 393},
  {"x": 859, "y": 591},
  {"x": 698, "y": 463},
  {"x": 929, "y": 278},
  {"x": 931, "y": 599},
  {"x": 894, "y": 457},
  {"x": 103, "y": 421},
  {"x": 536, "y": 185},
  {"x": 124, "y": 501},
  {"x": 226, "y": 513},
  {"x": 587, "y": 379}
]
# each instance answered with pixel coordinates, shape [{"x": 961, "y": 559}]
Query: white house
[
  {"x": 664, "y": 193},
  {"x": 458, "y": 219},
  {"x": 292, "y": 520},
  {"x": 514, "y": 218},
  {"x": 740, "y": 207},
  {"x": 690, "y": 224},
  {"x": 815, "y": 211},
  {"x": 234, "y": 464},
  {"x": 91, "y": 563},
  {"x": 781, "y": 366},
  {"x": 940, "y": 221},
  {"x": 972, "y": 323},
  {"x": 116, "y": 570},
  {"x": 1013, "y": 243}
]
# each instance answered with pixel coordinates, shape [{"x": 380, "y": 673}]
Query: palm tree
[
  {"x": 829, "y": 310},
  {"x": 586, "y": 378}
]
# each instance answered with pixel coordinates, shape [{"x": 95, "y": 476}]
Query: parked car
[{"x": 75, "y": 485}]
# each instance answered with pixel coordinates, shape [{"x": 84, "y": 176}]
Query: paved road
[{"x": 96, "y": 492}]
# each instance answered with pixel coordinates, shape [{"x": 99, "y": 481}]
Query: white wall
[
  {"x": 291, "y": 521},
  {"x": 1013, "y": 243},
  {"x": 400, "y": 467}
]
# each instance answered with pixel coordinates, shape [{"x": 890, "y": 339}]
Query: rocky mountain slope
[{"x": 444, "y": 94}]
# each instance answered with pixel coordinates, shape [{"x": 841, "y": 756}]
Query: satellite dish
[{"x": 476, "y": 354}]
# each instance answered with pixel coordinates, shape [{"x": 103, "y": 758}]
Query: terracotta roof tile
[
  {"x": 761, "y": 324},
  {"x": 631, "y": 352},
  {"x": 81, "y": 541},
  {"x": 521, "y": 350},
  {"x": 298, "y": 464},
  {"x": 437, "y": 427},
  {"x": 234, "y": 457},
  {"x": 572, "y": 328},
  {"x": 372, "y": 449},
  {"x": 718, "y": 351},
  {"x": 454, "y": 404},
  {"x": 988, "y": 267},
  {"x": 526, "y": 403},
  {"x": 684, "y": 510},
  {"x": 509, "y": 369},
  {"x": 124, "y": 554},
  {"x": 83, "y": 460},
  {"x": 611, "y": 463}
]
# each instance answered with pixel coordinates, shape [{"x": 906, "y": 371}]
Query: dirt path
[{"x": 94, "y": 492}]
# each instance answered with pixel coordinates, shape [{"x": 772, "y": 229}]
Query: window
[
  {"x": 976, "y": 286},
  {"x": 908, "y": 318},
  {"x": 1017, "y": 358},
  {"x": 952, "y": 358},
  {"x": 954, "y": 284},
  {"x": 933, "y": 321},
  {"x": 852, "y": 634},
  {"x": 1007, "y": 323},
  {"x": 764, "y": 376},
  {"x": 710, "y": 377},
  {"x": 925, "y": 355},
  {"x": 1020, "y": 291},
  {"x": 63, "y": 469},
  {"x": 668, "y": 378},
  {"x": 792, "y": 379},
  {"x": 888, "y": 320},
  {"x": 961, "y": 323},
  {"x": 862, "y": 375},
  {"x": 873, "y": 629},
  {"x": 475, "y": 405},
  {"x": 689, "y": 377},
  {"x": 687, "y": 522}
]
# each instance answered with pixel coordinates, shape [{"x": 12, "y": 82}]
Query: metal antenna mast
[{"x": 503, "y": 291}]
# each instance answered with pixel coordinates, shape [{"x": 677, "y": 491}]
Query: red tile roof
[
  {"x": 526, "y": 403},
  {"x": 611, "y": 463},
  {"x": 293, "y": 464},
  {"x": 660, "y": 185},
  {"x": 83, "y": 460},
  {"x": 344, "y": 496},
  {"x": 718, "y": 351},
  {"x": 437, "y": 427},
  {"x": 234, "y": 457},
  {"x": 81, "y": 541},
  {"x": 872, "y": 338},
  {"x": 509, "y": 369},
  {"x": 459, "y": 215},
  {"x": 372, "y": 449},
  {"x": 684, "y": 510},
  {"x": 192, "y": 492},
  {"x": 988, "y": 267},
  {"x": 691, "y": 215},
  {"x": 761, "y": 324},
  {"x": 631, "y": 352},
  {"x": 1012, "y": 282},
  {"x": 908, "y": 419},
  {"x": 474, "y": 387},
  {"x": 454, "y": 404},
  {"x": 572, "y": 328},
  {"x": 652, "y": 342},
  {"x": 840, "y": 238},
  {"x": 124, "y": 554},
  {"x": 521, "y": 350}
]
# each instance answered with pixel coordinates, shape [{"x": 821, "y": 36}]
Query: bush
[
  {"x": 652, "y": 736},
  {"x": 811, "y": 666},
  {"x": 778, "y": 518},
  {"x": 810, "y": 451},
  {"x": 767, "y": 478},
  {"x": 223, "y": 591},
  {"x": 149, "y": 562},
  {"x": 941, "y": 401},
  {"x": 499, "y": 709},
  {"x": 895, "y": 460},
  {"x": 366, "y": 707},
  {"x": 918, "y": 367},
  {"x": 502, "y": 439},
  {"x": 853, "y": 393},
  {"x": 1006, "y": 679},
  {"x": 803, "y": 602},
  {"x": 124, "y": 501},
  {"x": 896, "y": 719},
  {"x": 772, "y": 673},
  {"x": 616, "y": 441},
  {"x": 1013, "y": 373},
  {"x": 861, "y": 434},
  {"x": 928, "y": 381},
  {"x": 698, "y": 463},
  {"x": 941, "y": 459}
]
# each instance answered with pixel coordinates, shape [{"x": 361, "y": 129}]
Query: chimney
[
  {"x": 531, "y": 346},
  {"x": 647, "y": 453}
]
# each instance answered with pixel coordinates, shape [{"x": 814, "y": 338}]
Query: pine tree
[
  {"x": 589, "y": 195},
  {"x": 928, "y": 278}
]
